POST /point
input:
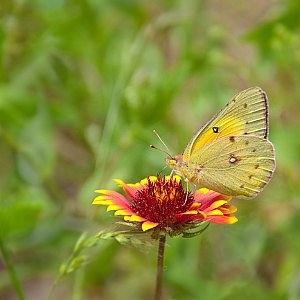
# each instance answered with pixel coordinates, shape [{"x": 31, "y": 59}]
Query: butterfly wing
[
  {"x": 235, "y": 165},
  {"x": 246, "y": 113}
]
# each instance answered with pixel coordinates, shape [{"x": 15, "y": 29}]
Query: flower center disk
[{"x": 161, "y": 200}]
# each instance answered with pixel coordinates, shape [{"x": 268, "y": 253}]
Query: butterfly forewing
[
  {"x": 246, "y": 113},
  {"x": 234, "y": 165}
]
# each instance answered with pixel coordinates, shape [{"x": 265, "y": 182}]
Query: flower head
[{"x": 162, "y": 203}]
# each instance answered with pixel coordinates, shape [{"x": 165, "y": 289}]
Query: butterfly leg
[
  {"x": 187, "y": 190},
  {"x": 195, "y": 188}
]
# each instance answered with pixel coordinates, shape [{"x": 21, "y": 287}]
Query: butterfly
[{"x": 231, "y": 154}]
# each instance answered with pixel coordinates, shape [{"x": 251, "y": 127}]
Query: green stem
[
  {"x": 11, "y": 271},
  {"x": 160, "y": 267},
  {"x": 77, "y": 289}
]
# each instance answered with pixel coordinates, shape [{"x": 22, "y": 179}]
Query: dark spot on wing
[
  {"x": 256, "y": 166},
  {"x": 245, "y": 105},
  {"x": 233, "y": 159},
  {"x": 247, "y": 142},
  {"x": 253, "y": 150},
  {"x": 198, "y": 169},
  {"x": 250, "y": 176},
  {"x": 231, "y": 139},
  {"x": 242, "y": 186},
  {"x": 215, "y": 129}
]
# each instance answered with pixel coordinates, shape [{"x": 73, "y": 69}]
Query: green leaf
[{"x": 18, "y": 218}]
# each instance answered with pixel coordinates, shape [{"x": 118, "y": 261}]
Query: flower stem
[
  {"x": 160, "y": 267},
  {"x": 11, "y": 271}
]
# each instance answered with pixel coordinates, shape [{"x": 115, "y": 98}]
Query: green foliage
[
  {"x": 82, "y": 86},
  {"x": 17, "y": 218},
  {"x": 76, "y": 260}
]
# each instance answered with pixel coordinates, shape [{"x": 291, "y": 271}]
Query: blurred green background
[{"x": 84, "y": 83}]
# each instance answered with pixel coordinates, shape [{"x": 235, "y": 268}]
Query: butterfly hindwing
[
  {"x": 246, "y": 113},
  {"x": 234, "y": 165}
]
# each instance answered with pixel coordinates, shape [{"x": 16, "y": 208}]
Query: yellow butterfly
[{"x": 231, "y": 154}]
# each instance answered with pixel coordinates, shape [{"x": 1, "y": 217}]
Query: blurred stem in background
[{"x": 11, "y": 271}]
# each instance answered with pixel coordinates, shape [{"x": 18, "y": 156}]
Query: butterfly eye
[{"x": 215, "y": 129}]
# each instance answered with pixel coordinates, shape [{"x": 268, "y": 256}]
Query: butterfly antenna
[
  {"x": 162, "y": 150},
  {"x": 167, "y": 151}
]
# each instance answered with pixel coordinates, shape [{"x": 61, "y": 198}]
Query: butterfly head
[
  {"x": 174, "y": 162},
  {"x": 171, "y": 161}
]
